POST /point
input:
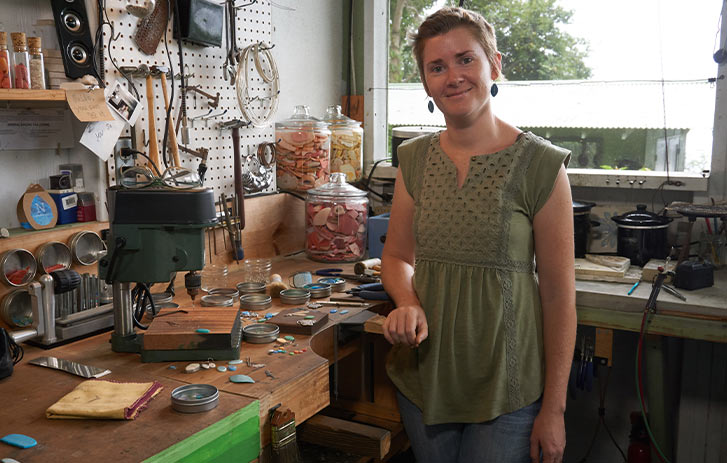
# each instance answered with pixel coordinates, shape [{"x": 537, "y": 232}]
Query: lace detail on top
[{"x": 468, "y": 225}]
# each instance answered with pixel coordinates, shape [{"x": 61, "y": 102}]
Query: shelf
[{"x": 14, "y": 94}]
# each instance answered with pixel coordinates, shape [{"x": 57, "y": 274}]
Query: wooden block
[
  {"x": 586, "y": 267},
  {"x": 615, "y": 262},
  {"x": 651, "y": 269},
  {"x": 632, "y": 275},
  {"x": 375, "y": 325},
  {"x": 178, "y": 331},
  {"x": 348, "y": 436},
  {"x": 288, "y": 323}
]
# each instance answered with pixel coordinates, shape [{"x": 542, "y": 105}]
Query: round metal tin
[
  {"x": 318, "y": 290},
  {"x": 255, "y": 301},
  {"x": 294, "y": 296},
  {"x": 16, "y": 309},
  {"x": 229, "y": 292},
  {"x": 17, "y": 260},
  {"x": 338, "y": 285},
  {"x": 216, "y": 300},
  {"x": 250, "y": 287},
  {"x": 53, "y": 254},
  {"x": 195, "y": 398},
  {"x": 261, "y": 333},
  {"x": 87, "y": 247}
]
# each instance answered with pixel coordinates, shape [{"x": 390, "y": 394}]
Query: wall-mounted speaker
[{"x": 75, "y": 37}]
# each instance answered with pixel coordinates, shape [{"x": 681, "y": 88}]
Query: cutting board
[
  {"x": 289, "y": 324},
  {"x": 178, "y": 331}
]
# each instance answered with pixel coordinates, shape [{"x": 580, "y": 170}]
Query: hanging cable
[{"x": 242, "y": 83}]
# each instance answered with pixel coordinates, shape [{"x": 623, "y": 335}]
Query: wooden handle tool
[
  {"x": 172, "y": 134},
  {"x": 153, "y": 147}
]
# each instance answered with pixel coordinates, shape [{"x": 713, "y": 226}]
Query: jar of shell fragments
[
  {"x": 335, "y": 218},
  {"x": 303, "y": 145},
  {"x": 346, "y": 143}
]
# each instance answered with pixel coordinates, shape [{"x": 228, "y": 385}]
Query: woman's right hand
[{"x": 406, "y": 325}]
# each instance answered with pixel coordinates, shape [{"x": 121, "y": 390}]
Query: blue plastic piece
[
  {"x": 334, "y": 310},
  {"x": 222, "y": 369},
  {"x": 19, "y": 440},
  {"x": 202, "y": 330},
  {"x": 343, "y": 312},
  {"x": 232, "y": 367},
  {"x": 241, "y": 379}
]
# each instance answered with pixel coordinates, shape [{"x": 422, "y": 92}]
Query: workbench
[{"x": 236, "y": 430}]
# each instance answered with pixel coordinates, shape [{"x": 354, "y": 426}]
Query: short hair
[{"x": 447, "y": 19}]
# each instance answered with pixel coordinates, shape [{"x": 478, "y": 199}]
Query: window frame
[{"x": 376, "y": 23}]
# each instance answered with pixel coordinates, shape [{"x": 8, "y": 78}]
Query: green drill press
[{"x": 154, "y": 232}]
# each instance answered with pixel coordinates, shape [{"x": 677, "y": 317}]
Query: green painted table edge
[
  {"x": 234, "y": 438},
  {"x": 666, "y": 325}
]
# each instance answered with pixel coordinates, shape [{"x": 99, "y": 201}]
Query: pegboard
[{"x": 205, "y": 64}]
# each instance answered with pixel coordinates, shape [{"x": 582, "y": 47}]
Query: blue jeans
[{"x": 506, "y": 439}]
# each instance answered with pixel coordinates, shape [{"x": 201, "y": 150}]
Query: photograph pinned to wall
[{"x": 123, "y": 103}]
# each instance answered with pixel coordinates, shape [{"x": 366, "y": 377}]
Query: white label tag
[{"x": 69, "y": 201}]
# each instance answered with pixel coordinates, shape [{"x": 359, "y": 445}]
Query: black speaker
[{"x": 74, "y": 37}]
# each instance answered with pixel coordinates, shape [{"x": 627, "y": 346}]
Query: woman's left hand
[{"x": 548, "y": 437}]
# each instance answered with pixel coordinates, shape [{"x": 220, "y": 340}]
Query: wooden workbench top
[{"x": 299, "y": 381}]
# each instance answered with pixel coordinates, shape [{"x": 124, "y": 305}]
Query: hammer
[
  {"x": 153, "y": 147},
  {"x": 162, "y": 71}
]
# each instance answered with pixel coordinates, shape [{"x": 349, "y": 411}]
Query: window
[{"x": 628, "y": 86}]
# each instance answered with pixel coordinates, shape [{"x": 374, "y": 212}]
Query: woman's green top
[{"x": 474, "y": 275}]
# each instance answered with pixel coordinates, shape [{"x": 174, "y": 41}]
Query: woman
[{"x": 482, "y": 348}]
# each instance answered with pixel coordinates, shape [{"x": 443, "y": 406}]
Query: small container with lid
[
  {"x": 257, "y": 270},
  {"x": 214, "y": 276},
  {"x": 37, "y": 66},
  {"x": 303, "y": 151},
  {"x": 21, "y": 61},
  {"x": 346, "y": 143},
  {"x": 5, "y": 79},
  {"x": 335, "y": 218}
]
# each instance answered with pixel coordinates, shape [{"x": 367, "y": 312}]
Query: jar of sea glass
[
  {"x": 335, "y": 217},
  {"x": 346, "y": 143},
  {"x": 303, "y": 145}
]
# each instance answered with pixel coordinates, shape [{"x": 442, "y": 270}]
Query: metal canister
[
  {"x": 294, "y": 296},
  {"x": 250, "y": 287},
  {"x": 338, "y": 285},
  {"x": 216, "y": 300},
  {"x": 16, "y": 309},
  {"x": 261, "y": 333},
  {"x": 53, "y": 256},
  {"x": 17, "y": 267},
  {"x": 229, "y": 292},
  {"x": 255, "y": 301},
  {"x": 87, "y": 247},
  {"x": 318, "y": 290},
  {"x": 195, "y": 398}
]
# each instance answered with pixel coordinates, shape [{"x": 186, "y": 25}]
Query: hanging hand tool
[
  {"x": 153, "y": 147},
  {"x": 239, "y": 208},
  {"x": 337, "y": 272},
  {"x": 173, "y": 147},
  {"x": 213, "y": 102}
]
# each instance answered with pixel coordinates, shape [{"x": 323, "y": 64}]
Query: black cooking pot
[
  {"x": 582, "y": 226},
  {"x": 642, "y": 235}
]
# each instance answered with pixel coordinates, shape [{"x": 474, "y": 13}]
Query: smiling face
[{"x": 458, "y": 75}]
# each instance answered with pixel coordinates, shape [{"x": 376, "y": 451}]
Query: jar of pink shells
[
  {"x": 303, "y": 146},
  {"x": 335, "y": 217}
]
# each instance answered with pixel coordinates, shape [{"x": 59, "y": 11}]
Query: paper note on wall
[
  {"x": 101, "y": 137},
  {"x": 89, "y": 105},
  {"x": 25, "y": 129}
]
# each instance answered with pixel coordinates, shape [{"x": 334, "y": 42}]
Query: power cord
[
  {"x": 16, "y": 352},
  {"x": 140, "y": 298},
  {"x": 165, "y": 140}
]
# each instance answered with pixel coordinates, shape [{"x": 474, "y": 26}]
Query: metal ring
[{"x": 261, "y": 149}]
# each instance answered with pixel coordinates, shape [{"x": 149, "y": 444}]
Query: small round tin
[
  {"x": 261, "y": 333},
  {"x": 52, "y": 256},
  {"x": 17, "y": 267},
  {"x": 229, "y": 292},
  {"x": 16, "y": 309},
  {"x": 294, "y": 296},
  {"x": 338, "y": 285},
  {"x": 87, "y": 247},
  {"x": 250, "y": 287},
  {"x": 318, "y": 290},
  {"x": 195, "y": 398},
  {"x": 255, "y": 301},
  {"x": 216, "y": 300}
]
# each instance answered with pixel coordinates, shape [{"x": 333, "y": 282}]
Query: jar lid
[
  {"x": 19, "y": 40},
  {"x": 641, "y": 218},
  {"x": 34, "y": 42},
  {"x": 335, "y": 117},
  {"x": 338, "y": 188},
  {"x": 582, "y": 206},
  {"x": 301, "y": 118}
]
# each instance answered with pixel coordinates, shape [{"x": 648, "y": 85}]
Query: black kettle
[{"x": 642, "y": 235}]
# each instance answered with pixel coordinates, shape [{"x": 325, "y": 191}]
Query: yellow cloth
[{"x": 95, "y": 399}]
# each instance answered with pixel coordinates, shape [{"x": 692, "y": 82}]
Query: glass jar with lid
[
  {"x": 303, "y": 151},
  {"x": 5, "y": 80},
  {"x": 21, "y": 61},
  {"x": 346, "y": 143},
  {"x": 335, "y": 217}
]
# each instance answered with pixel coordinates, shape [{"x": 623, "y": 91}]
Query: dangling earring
[
  {"x": 430, "y": 105},
  {"x": 494, "y": 89}
]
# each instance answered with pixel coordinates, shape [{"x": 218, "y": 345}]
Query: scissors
[
  {"x": 370, "y": 291},
  {"x": 337, "y": 272}
]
